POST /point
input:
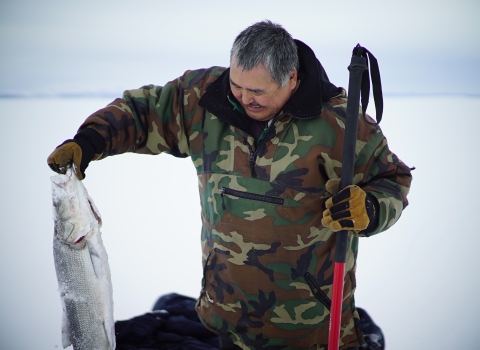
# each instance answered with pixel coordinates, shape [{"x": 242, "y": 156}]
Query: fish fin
[
  {"x": 66, "y": 342},
  {"x": 95, "y": 212},
  {"x": 96, "y": 259},
  {"x": 109, "y": 336}
]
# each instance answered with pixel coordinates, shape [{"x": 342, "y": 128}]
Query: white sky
[
  {"x": 54, "y": 46},
  {"x": 419, "y": 280}
]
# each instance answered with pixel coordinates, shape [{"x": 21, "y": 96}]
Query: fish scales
[{"x": 82, "y": 269}]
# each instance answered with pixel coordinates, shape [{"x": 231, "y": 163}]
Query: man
[{"x": 266, "y": 138}]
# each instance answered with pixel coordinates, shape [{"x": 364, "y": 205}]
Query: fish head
[{"x": 73, "y": 214}]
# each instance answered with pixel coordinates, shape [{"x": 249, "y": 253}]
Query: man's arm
[
  {"x": 146, "y": 120},
  {"x": 382, "y": 180},
  {"x": 384, "y": 177},
  {"x": 149, "y": 120}
]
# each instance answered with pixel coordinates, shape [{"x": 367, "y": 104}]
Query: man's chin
[{"x": 258, "y": 116}]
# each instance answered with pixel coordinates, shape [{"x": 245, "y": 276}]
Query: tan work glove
[
  {"x": 349, "y": 209},
  {"x": 79, "y": 152},
  {"x": 64, "y": 155}
]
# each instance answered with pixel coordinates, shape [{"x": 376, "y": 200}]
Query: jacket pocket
[
  {"x": 249, "y": 213},
  {"x": 316, "y": 291},
  {"x": 252, "y": 196}
]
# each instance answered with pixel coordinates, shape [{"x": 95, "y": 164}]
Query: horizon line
[{"x": 112, "y": 95}]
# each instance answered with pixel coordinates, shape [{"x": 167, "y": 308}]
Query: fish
[{"x": 81, "y": 265}]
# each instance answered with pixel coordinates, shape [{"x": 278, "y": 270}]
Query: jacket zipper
[
  {"x": 253, "y": 155},
  {"x": 316, "y": 291},
  {"x": 252, "y": 196}
]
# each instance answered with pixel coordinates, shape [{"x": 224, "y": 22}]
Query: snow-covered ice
[{"x": 417, "y": 280}]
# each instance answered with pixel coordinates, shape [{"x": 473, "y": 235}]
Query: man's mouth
[{"x": 254, "y": 106}]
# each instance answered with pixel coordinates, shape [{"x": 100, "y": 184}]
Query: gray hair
[{"x": 269, "y": 44}]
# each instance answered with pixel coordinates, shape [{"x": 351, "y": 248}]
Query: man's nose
[{"x": 247, "y": 97}]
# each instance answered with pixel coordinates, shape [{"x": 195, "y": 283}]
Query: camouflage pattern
[{"x": 268, "y": 261}]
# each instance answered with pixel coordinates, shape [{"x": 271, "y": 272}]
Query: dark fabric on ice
[
  {"x": 373, "y": 335},
  {"x": 173, "y": 324}
]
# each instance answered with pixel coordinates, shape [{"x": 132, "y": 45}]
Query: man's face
[{"x": 260, "y": 96}]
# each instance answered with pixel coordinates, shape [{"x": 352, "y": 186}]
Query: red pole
[
  {"x": 337, "y": 296},
  {"x": 357, "y": 67}
]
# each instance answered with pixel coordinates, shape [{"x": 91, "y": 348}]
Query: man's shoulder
[
  {"x": 336, "y": 106},
  {"x": 201, "y": 77},
  {"x": 335, "y": 110}
]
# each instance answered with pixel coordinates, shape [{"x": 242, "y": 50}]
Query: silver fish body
[{"x": 82, "y": 269}]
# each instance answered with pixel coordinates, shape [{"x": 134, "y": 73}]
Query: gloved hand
[
  {"x": 350, "y": 209},
  {"x": 80, "y": 152},
  {"x": 64, "y": 155}
]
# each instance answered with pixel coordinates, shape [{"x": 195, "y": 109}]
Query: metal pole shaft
[{"x": 357, "y": 66}]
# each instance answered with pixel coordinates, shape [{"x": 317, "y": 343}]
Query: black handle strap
[{"x": 376, "y": 82}]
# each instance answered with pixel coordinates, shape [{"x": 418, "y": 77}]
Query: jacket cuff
[
  {"x": 94, "y": 138},
  {"x": 372, "y": 210}
]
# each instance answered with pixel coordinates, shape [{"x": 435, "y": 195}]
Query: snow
[{"x": 417, "y": 280}]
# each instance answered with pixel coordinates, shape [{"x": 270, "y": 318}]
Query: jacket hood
[
  {"x": 315, "y": 87},
  {"x": 305, "y": 103}
]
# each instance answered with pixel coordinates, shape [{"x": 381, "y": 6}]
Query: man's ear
[
  {"x": 294, "y": 75},
  {"x": 293, "y": 79}
]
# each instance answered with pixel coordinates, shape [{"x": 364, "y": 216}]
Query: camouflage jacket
[{"x": 267, "y": 259}]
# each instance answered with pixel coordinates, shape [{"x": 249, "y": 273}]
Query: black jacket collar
[{"x": 305, "y": 103}]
